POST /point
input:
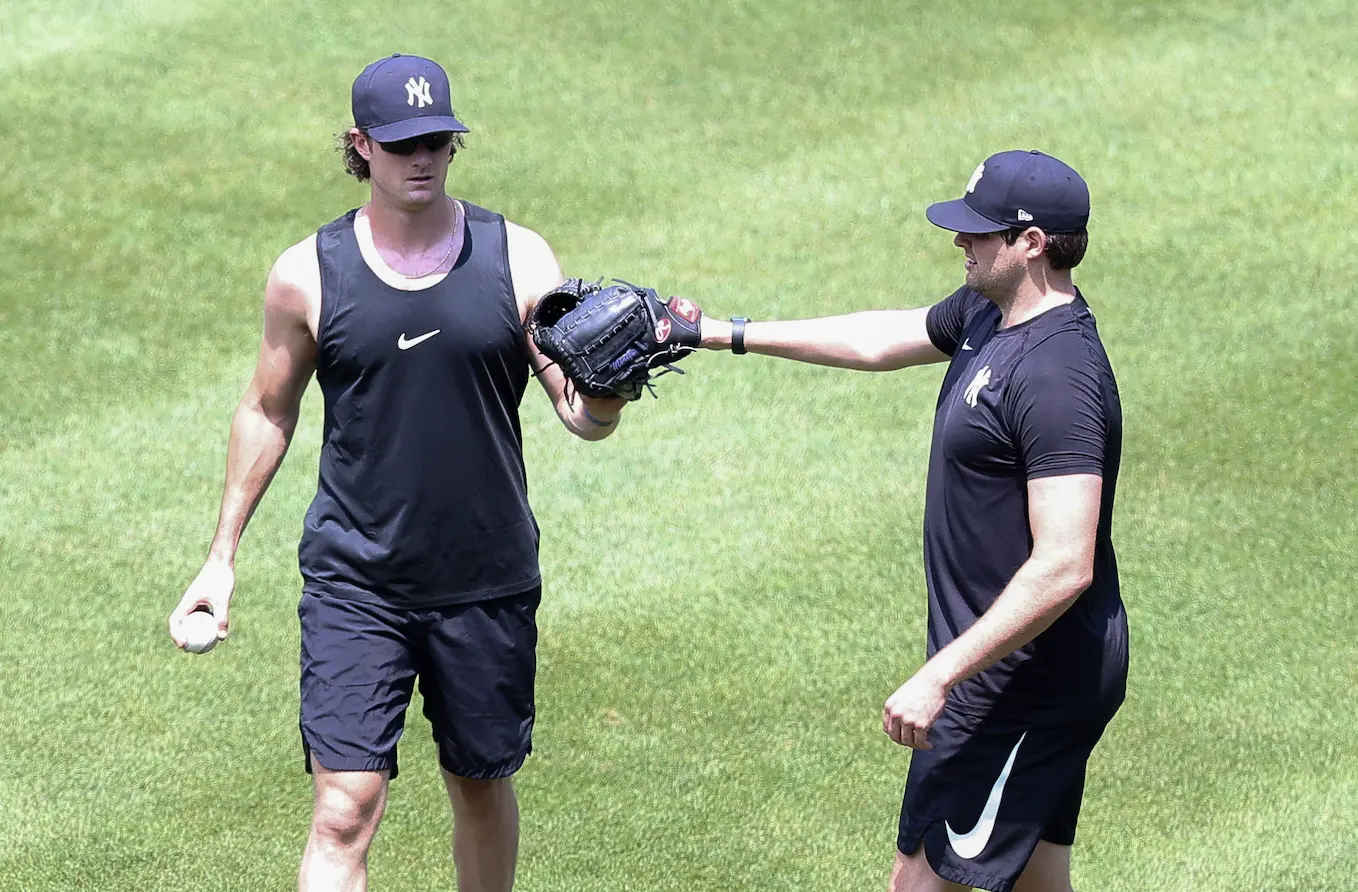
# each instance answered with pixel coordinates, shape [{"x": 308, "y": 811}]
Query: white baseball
[{"x": 200, "y": 632}]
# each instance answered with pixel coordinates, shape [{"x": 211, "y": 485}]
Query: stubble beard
[{"x": 996, "y": 285}]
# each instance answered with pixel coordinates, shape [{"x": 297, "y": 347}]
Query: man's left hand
[{"x": 912, "y": 710}]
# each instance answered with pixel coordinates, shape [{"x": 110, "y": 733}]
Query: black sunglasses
[{"x": 434, "y": 142}]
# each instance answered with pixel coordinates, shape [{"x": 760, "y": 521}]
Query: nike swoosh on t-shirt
[
  {"x": 404, "y": 344},
  {"x": 970, "y": 844}
]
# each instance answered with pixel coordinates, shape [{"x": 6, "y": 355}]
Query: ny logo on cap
[
  {"x": 418, "y": 90},
  {"x": 976, "y": 177}
]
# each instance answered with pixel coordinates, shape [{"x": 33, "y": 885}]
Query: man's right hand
[{"x": 213, "y": 587}]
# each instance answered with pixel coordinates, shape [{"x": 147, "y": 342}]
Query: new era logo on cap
[
  {"x": 1010, "y": 190},
  {"x": 403, "y": 96}
]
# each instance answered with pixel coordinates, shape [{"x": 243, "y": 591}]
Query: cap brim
[
  {"x": 957, "y": 216},
  {"x": 399, "y": 130}
]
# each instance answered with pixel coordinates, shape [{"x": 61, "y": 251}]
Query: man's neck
[
  {"x": 1035, "y": 295},
  {"x": 410, "y": 230}
]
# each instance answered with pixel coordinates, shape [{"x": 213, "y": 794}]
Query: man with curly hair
[{"x": 419, "y": 553}]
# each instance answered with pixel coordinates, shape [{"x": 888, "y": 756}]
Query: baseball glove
[{"x": 608, "y": 339}]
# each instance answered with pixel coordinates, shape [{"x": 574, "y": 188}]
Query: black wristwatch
[{"x": 738, "y": 334}]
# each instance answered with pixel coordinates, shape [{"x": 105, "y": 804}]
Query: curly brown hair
[{"x": 357, "y": 166}]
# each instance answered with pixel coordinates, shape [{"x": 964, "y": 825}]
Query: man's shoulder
[
  {"x": 975, "y": 312},
  {"x": 1066, "y": 348},
  {"x": 524, "y": 240},
  {"x": 298, "y": 263},
  {"x": 296, "y": 274},
  {"x": 533, "y": 266},
  {"x": 478, "y": 214},
  {"x": 953, "y": 320},
  {"x": 1064, "y": 333},
  {"x": 1060, "y": 346}
]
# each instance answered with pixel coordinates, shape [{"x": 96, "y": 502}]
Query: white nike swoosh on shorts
[{"x": 970, "y": 844}]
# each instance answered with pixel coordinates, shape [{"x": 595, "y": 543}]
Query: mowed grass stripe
[
  {"x": 777, "y": 208},
  {"x": 32, "y": 32},
  {"x": 248, "y": 296}
]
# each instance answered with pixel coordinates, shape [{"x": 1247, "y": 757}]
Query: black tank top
[{"x": 423, "y": 497}]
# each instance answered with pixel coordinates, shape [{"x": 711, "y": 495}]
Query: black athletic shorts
[
  {"x": 988, "y": 791},
  {"x": 475, "y": 663}
]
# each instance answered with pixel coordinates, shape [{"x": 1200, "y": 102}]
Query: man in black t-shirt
[{"x": 1027, "y": 633}]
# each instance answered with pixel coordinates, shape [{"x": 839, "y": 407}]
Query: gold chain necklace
[{"x": 457, "y": 227}]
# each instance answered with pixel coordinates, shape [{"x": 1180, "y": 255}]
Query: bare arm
[
  {"x": 1063, "y": 513},
  {"x": 535, "y": 271},
  {"x": 267, "y": 415},
  {"x": 261, "y": 428},
  {"x": 873, "y": 340}
]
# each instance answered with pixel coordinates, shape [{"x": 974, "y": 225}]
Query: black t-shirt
[{"x": 1034, "y": 400}]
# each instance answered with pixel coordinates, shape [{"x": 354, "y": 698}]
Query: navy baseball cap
[
  {"x": 403, "y": 96},
  {"x": 1014, "y": 190}
]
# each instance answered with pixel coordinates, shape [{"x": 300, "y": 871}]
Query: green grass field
[{"x": 734, "y": 580}]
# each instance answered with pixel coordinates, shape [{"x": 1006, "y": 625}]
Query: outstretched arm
[
  {"x": 873, "y": 340},
  {"x": 535, "y": 271}
]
